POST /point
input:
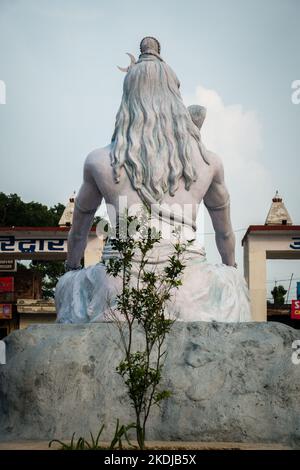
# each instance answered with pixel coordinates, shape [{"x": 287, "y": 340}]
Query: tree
[
  {"x": 278, "y": 294},
  {"x": 15, "y": 212},
  {"x": 51, "y": 271},
  {"x": 141, "y": 303}
]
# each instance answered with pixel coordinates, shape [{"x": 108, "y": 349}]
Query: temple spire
[
  {"x": 278, "y": 214},
  {"x": 67, "y": 215}
]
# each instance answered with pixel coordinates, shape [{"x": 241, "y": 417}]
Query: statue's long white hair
[{"x": 153, "y": 131}]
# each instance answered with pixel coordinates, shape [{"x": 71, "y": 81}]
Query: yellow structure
[
  {"x": 277, "y": 239},
  {"x": 35, "y": 311},
  {"x": 37, "y": 243},
  {"x": 45, "y": 243}
]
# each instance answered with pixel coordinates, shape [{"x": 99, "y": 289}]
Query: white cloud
[{"x": 235, "y": 134}]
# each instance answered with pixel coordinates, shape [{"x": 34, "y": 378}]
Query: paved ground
[{"x": 156, "y": 445}]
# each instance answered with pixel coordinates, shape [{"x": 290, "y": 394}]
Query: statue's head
[
  {"x": 150, "y": 45},
  {"x": 198, "y": 114},
  {"x": 154, "y": 130}
]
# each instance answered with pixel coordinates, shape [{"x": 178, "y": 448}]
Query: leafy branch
[{"x": 142, "y": 302}]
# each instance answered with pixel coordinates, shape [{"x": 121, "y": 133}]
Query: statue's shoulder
[
  {"x": 97, "y": 160},
  {"x": 213, "y": 160}
]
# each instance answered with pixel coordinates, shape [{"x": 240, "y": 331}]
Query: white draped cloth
[{"x": 208, "y": 292}]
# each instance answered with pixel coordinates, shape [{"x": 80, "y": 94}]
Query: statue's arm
[
  {"x": 86, "y": 204},
  {"x": 217, "y": 203}
]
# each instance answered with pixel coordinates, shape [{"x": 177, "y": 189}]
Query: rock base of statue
[{"x": 229, "y": 382}]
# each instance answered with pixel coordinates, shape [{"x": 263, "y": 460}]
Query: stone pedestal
[{"x": 229, "y": 382}]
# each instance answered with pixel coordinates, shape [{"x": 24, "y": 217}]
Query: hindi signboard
[
  {"x": 295, "y": 310},
  {"x": 12, "y": 244}
]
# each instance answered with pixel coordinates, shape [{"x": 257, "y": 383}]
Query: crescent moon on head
[{"x": 132, "y": 62}]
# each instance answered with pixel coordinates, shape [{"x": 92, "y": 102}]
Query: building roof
[{"x": 270, "y": 228}]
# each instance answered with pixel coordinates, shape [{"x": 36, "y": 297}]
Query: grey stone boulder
[{"x": 229, "y": 382}]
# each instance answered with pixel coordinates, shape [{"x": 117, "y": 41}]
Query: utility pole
[{"x": 287, "y": 297}]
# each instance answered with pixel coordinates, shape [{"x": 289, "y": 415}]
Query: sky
[{"x": 238, "y": 58}]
